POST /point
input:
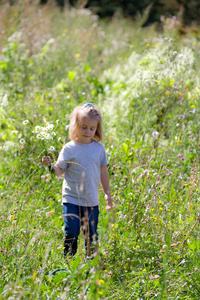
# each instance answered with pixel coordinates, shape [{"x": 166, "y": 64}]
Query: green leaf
[
  {"x": 87, "y": 68},
  {"x": 125, "y": 148},
  {"x": 72, "y": 75}
]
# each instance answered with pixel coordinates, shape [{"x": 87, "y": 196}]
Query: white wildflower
[
  {"x": 37, "y": 129},
  {"x": 50, "y": 126},
  {"x": 19, "y": 136},
  {"x": 22, "y": 141},
  {"x": 51, "y": 149},
  {"x": 39, "y": 136},
  {"x": 25, "y": 122},
  {"x": 57, "y": 122},
  {"x": 14, "y": 131},
  {"x": 155, "y": 133},
  {"x": 46, "y": 135}
]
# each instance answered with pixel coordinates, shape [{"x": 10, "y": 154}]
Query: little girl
[{"x": 84, "y": 162}]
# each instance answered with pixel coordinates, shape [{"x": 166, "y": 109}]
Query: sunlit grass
[{"x": 147, "y": 85}]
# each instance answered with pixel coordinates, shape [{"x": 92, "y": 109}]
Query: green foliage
[{"x": 147, "y": 86}]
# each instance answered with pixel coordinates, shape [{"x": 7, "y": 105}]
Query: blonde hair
[{"x": 88, "y": 111}]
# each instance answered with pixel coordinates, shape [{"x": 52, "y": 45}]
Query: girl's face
[{"x": 86, "y": 130}]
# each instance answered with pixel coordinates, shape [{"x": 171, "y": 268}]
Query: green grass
[{"x": 147, "y": 85}]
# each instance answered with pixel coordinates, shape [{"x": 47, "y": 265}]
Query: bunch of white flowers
[{"x": 45, "y": 132}]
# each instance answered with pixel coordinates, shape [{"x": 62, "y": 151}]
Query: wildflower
[
  {"x": 22, "y": 147},
  {"x": 182, "y": 158},
  {"x": 128, "y": 259},
  {"x": 50, "y": 126},
  {"x": 43, "y": 177},
  {"x": 37, "y": 128},
  {"x": 100, "y": 281},
  {"x": 39, "y": 136},
  {"x": 22, "y": 141},
  {"x": 173, "y": 245},
  {"x": 154, "y": 277},
  {"x": 59, "y": 178},
  {"x": 182, "y": 116},
  {"x": 38, "y": 281},
  {"x": 19, "y": 136},
  {"x": 51, "y": 149},
  {"x": 196, "y": 269},
  {"x": 110, "y": 272},
  {"x": 14, "y": 131},
  {"x": 25, "y": 122},
  {"x": 57, "y": 122},
  {"x": 155, "y": 133},
  {"x": 48, "y": 214},
  {"x": 46, "y": 135},
  {"x": 194, "y": 110}
]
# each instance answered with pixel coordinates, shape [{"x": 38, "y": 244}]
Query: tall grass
[{"x": 147, "y": 85}]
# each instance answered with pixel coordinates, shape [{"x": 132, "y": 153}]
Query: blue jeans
[{"x": 75, "y": 217}]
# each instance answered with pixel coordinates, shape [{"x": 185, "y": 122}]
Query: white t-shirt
[{"x": 82, "y": 175}]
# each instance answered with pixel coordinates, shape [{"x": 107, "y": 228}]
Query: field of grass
[{"x": 147, "y": 84}]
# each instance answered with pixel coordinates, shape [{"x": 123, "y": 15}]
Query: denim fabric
[{"x": 75, "y": 217}]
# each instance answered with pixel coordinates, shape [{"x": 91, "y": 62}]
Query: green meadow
[{"x": 147, "y": 84}]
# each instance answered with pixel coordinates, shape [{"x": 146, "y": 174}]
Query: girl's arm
[
  {"x": 106, "y": 186},
  {"x": 47, "y": 162}
]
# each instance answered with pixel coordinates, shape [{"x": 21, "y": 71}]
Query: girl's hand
[
  {"x": 109, "y": 202},
  {"x": 46, "y": 160}
]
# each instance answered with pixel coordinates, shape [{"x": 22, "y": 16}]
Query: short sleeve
[
  {"x": 62, "y": 158},
  {"x": 103, "y": 161}
]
